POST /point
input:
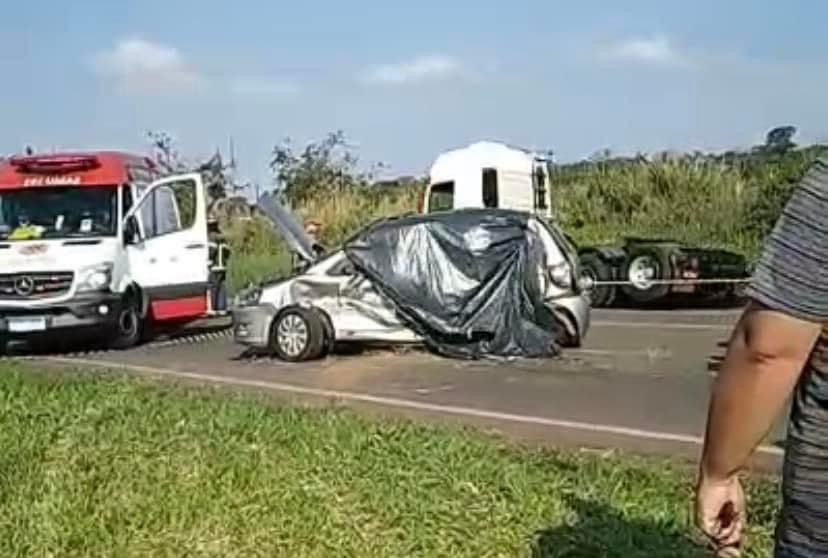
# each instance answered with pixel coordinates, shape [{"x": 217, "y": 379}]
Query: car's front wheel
[
  {"x": 129, "y": 325},
  {"x": 298, "y": 334},
  {"x": 568, "y": 336}
]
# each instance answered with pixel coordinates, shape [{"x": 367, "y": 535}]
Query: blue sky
[{"x": 407, "y": 80}]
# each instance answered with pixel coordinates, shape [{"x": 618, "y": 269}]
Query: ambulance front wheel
[{"x": 128, "y": 328}]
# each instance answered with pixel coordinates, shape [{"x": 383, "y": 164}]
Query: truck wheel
[
  {"x": 595, "y": 268},
  {"x": 642, "y": 266},
  {"x": 128, "y": 326},
  {"x": 298, "y": 334}
]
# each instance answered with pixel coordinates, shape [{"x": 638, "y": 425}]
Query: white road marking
[
  {"x": 705, "y": 313},
  {"x": 651, "y": 353},
  {"x": 661, "y": 325},
  {"x": 429, "y": 391},
  {"x": 405, "y": 403}
]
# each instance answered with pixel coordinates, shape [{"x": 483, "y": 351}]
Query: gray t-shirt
[{"x": 792, "y": 277}]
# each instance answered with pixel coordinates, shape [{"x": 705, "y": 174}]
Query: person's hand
[{"x": 721, "y": 514}]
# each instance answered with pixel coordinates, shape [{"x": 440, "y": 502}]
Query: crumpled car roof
[{"x": 466, "y": 281}]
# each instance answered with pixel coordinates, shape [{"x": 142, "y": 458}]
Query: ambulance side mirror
[{"x": 132, "y": 234}]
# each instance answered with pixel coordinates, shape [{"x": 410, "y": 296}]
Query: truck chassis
[{"x": 648, "y": 271}]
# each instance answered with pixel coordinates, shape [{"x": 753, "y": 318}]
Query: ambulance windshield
[{"x": 58, "y": 212}]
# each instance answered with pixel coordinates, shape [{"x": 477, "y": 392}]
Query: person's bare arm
[{"x": 766, "y": 356}]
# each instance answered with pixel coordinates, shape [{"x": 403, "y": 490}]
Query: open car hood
[{"x": 288, "y": 225}]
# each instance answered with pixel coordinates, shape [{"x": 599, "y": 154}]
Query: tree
[
  {"x": 217, "y": 174},
  {"x": 601, "y": 155},
  {"x": 326, "y": 166},
  {"x": 780, "y": 139}
]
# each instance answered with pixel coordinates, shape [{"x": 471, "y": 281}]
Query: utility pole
[{"x": 232, "y": 155}]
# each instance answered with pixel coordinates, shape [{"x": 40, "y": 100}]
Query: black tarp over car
[{"x": 466, "y": 281}]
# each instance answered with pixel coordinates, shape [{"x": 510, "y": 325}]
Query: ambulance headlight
[{"x": 95, "y": 278}]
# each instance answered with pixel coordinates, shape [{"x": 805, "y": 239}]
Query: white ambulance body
[{"x": 100, "y": 242}]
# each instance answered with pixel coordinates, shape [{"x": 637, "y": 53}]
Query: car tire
[
  {"x": 298, "y": 334},
  {"x": 129, "y": 325},
  {"x": 596, "y": 268},
  {"x": 642, "y": 258}
]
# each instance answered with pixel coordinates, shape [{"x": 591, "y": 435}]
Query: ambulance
[{"x": 103, "y": 243}]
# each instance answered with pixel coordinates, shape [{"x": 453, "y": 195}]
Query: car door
[
  {"x": 362, "y": 313},
  {"x": 169, "y": 259}
]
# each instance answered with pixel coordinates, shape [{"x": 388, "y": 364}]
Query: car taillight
[{"x": 560, "y": 275}]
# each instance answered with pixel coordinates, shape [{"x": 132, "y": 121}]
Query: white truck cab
[
  {"x": 641, "y": 270},
  {"x": 490, "y": 175},
  {"x": 498, "y": 176},
  {"x": 100, "y": 241}
]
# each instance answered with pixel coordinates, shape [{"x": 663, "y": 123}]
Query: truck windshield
[
  {"x": 60, "y": 212},
  {"x": 441, "y": 197}
]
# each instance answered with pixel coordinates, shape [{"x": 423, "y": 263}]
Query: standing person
[
  {"x": 314, "y": 228},
  {"x": 779, "y": 347},
  {"x": 219, "y": 253}
]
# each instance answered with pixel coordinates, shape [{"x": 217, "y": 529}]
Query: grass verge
[{"x": 116, "y": 466}]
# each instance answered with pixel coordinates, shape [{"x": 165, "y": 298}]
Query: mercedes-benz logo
[{"x": 24, "y": 286}]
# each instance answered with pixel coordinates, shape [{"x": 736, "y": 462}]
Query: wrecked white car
[{"x": 467, "y": 284}]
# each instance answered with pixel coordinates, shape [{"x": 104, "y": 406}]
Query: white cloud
[
  {"x": 422, "y": 68},
  {"x": 139, "y": 66},
  {"x": 264, "y": 86},
  {"x": 654, "y": 50}
]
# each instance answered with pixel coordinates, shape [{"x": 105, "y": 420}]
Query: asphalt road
[{"x": 641, "y": 383}]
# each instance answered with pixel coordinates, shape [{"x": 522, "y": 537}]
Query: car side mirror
[{"x": 132, "y": 233}]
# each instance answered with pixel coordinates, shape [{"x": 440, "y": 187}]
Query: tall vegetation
[
  {"x": 323, "y": 182},
  {"x": 728, "y": 200}
]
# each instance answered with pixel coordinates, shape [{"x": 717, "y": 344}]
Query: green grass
[
  {"x": 249, "y": 268},
  {"x": 111, "y": 466}
]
